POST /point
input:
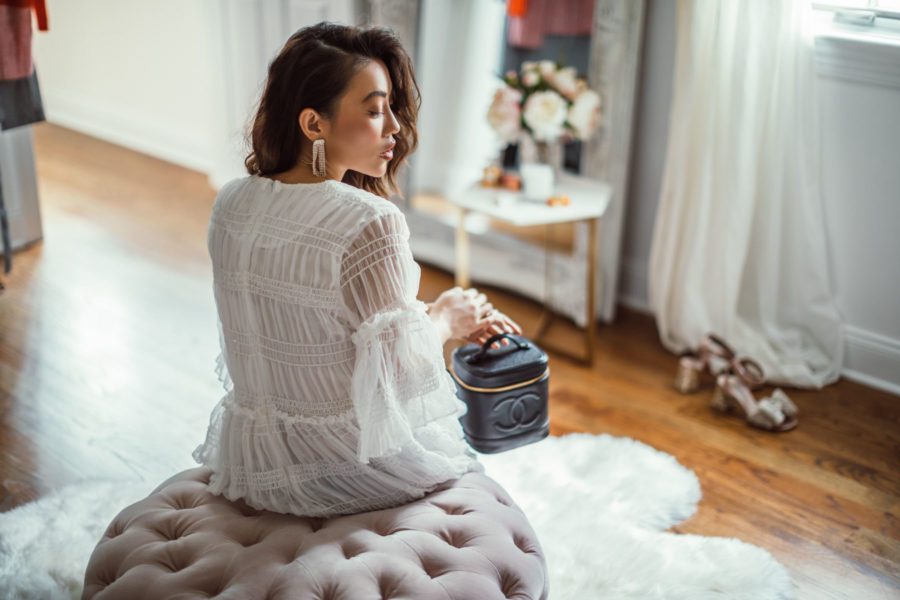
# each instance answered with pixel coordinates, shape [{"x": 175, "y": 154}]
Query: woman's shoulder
[
  {"x": 344, "y": 193},
  {"x": 230, "y": 190},
  {"x": 339, "y": 205},
  {"x": 374, "y": 204}
]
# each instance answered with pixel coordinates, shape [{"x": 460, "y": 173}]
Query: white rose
[
  {"x": 529, "y": 66},
  {"x": 530, "y": 78},
  {"x": 566, "y": 83},
  {"x": 505, "y": 112},
  {"x": 547, "y": 68},
  {"x": 544, "y": 113},
  {"x": 584, "y": 114}
]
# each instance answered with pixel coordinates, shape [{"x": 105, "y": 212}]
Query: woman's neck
[{"x": 299, "y": 174}]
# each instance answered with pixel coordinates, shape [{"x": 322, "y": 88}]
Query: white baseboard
[
  {"x": 872, "y": 359},
  {"x": 127, "y": 128}
]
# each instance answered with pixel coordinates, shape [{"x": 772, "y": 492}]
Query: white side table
[{"x": 588, "y": 200}]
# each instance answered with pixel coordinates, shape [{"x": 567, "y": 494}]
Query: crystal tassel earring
[{"x": 318, "y": 158}]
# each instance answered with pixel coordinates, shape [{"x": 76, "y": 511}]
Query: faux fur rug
[{"x": 599, "y": 504}]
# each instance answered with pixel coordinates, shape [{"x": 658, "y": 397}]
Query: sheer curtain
[{"x": 739, "y": 241}]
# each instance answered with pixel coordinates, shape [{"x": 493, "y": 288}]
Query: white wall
[
  {"x": 859, "y": 93},
  {"x": 134, "y": 73},
  {"x": 460, "y": 41}
]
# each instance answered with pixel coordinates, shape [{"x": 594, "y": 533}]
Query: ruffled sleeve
[
  {"x": 400, "y": 382},
  {"x": 221, "y": 364}
]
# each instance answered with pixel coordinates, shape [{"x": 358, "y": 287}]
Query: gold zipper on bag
[{"x": 496, "y": 389}]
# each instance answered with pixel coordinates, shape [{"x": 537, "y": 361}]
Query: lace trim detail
[
  {"x": 249, "y": 344},
  {"x": 390, "y": 249},
  {"x": 260, "y": 414},
  {"x": 361, "y": 252},
  {"x": 292, "y": 475},
  {"x": 288, "y": 408},
  {"x": 414, "y": 387},
  {"x": 279, "y": 228},
  {"x": 293, "y": 293}
]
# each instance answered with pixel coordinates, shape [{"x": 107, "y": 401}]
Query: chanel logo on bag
[{"x": 518, "y": 412}]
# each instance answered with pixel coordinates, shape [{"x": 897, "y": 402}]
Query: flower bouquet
[
  {"x": 549, "y": 105},
  {"x": 546, "y": 102}
]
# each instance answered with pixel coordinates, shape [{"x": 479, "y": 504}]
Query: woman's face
[{"x": 364, "y": 125}]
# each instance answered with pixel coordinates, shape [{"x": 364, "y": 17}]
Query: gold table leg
[
  {"x": 587, "y": 355},
  {"x": 461, "y": 273}
]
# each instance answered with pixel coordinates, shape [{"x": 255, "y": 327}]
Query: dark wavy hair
[{"x": 313, "y": 70}]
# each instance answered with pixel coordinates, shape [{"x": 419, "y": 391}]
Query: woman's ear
[{"x": 313, "y": 125}]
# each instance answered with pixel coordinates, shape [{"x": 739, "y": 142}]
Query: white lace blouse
[{"x": 337, "y": 397}]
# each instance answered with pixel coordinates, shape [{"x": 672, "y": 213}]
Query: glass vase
[
  {"x": 550, "y": 153},
  {"x": 541, "y": 171}
]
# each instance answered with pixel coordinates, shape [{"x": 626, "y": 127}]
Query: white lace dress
[{"x": 337, "y": 396}]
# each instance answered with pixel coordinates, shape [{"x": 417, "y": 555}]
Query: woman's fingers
[
  {"x": 512, "y": 326},
  {"x": 489, "y": 321}
]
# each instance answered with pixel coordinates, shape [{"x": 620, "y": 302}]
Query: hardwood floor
[{"x": 108, "y": 341}]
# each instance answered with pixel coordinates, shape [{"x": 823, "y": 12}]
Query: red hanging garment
[
  {"x": 544, "y": 17},
  {"x": 39, "y": 7},
  {"x": 516, "y": 8}
]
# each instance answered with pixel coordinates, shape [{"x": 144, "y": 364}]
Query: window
[{"x": 872, "y": 19}]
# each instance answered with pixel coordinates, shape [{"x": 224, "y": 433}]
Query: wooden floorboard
[{"x": 108, "y": 341}]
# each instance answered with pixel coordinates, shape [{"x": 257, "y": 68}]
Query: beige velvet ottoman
[{"x": 467, "y": 540}]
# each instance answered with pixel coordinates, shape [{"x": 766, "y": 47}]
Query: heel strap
[
  {"x": 716, "y": 346},
  {"x": 749, "y": 371}
]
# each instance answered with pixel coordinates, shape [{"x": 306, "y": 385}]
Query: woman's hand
[
  {"x": 500, "y": 323},
  {"x": 459, "y": 313},
  {"x": 467, "y": 315}
]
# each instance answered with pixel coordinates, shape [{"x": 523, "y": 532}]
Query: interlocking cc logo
[{"x": 517, "y": 412}]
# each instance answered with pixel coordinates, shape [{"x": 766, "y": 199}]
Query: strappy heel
[
  {"x": 773, "y": 413},
  {"x": 713, "y": 353}
]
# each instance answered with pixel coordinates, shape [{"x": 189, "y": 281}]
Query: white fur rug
[{"x": 599, "y": 504}]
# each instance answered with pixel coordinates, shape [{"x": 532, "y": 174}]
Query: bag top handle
[{"x": 477, "y": 356}]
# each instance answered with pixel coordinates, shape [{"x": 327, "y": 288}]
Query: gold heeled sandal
[
  {"x": 713, "y": 353},
  {"x": 774, "y": 413}
]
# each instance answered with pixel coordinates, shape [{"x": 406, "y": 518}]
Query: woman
[{"x": 337, "y": 399}]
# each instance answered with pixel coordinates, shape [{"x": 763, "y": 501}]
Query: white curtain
[{"x": 739, "y": 240}]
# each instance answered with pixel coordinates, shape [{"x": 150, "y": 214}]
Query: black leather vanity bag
[{"x": 505, "y": 389}]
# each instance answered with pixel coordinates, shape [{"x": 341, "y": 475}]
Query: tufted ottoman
[{"x": 466, "y": 540}]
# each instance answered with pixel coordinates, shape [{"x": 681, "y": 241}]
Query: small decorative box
[{"x": 506, "y": 391}]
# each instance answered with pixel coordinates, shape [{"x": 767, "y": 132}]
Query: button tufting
[
  {"x": 508, "y": 584},
  {"x": 457, "y": 539},
  {"x": 522, "y": 544},
  {"x": 251, "y": 540},
  {"x": 315, "y": 523},
  {"x": 453, "y": 510},
  {"x": 170, "y": 563},
  {"x": 387, "y": 588},
  {"x": 329, "y": 591},
  {"x": 348, "y": 537},
  {"x": 433, "y": 571},
  {"x": 383, "y": 529},
  {"x": 115, "y": 530},
  {"x": 352, "y": 549}
]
